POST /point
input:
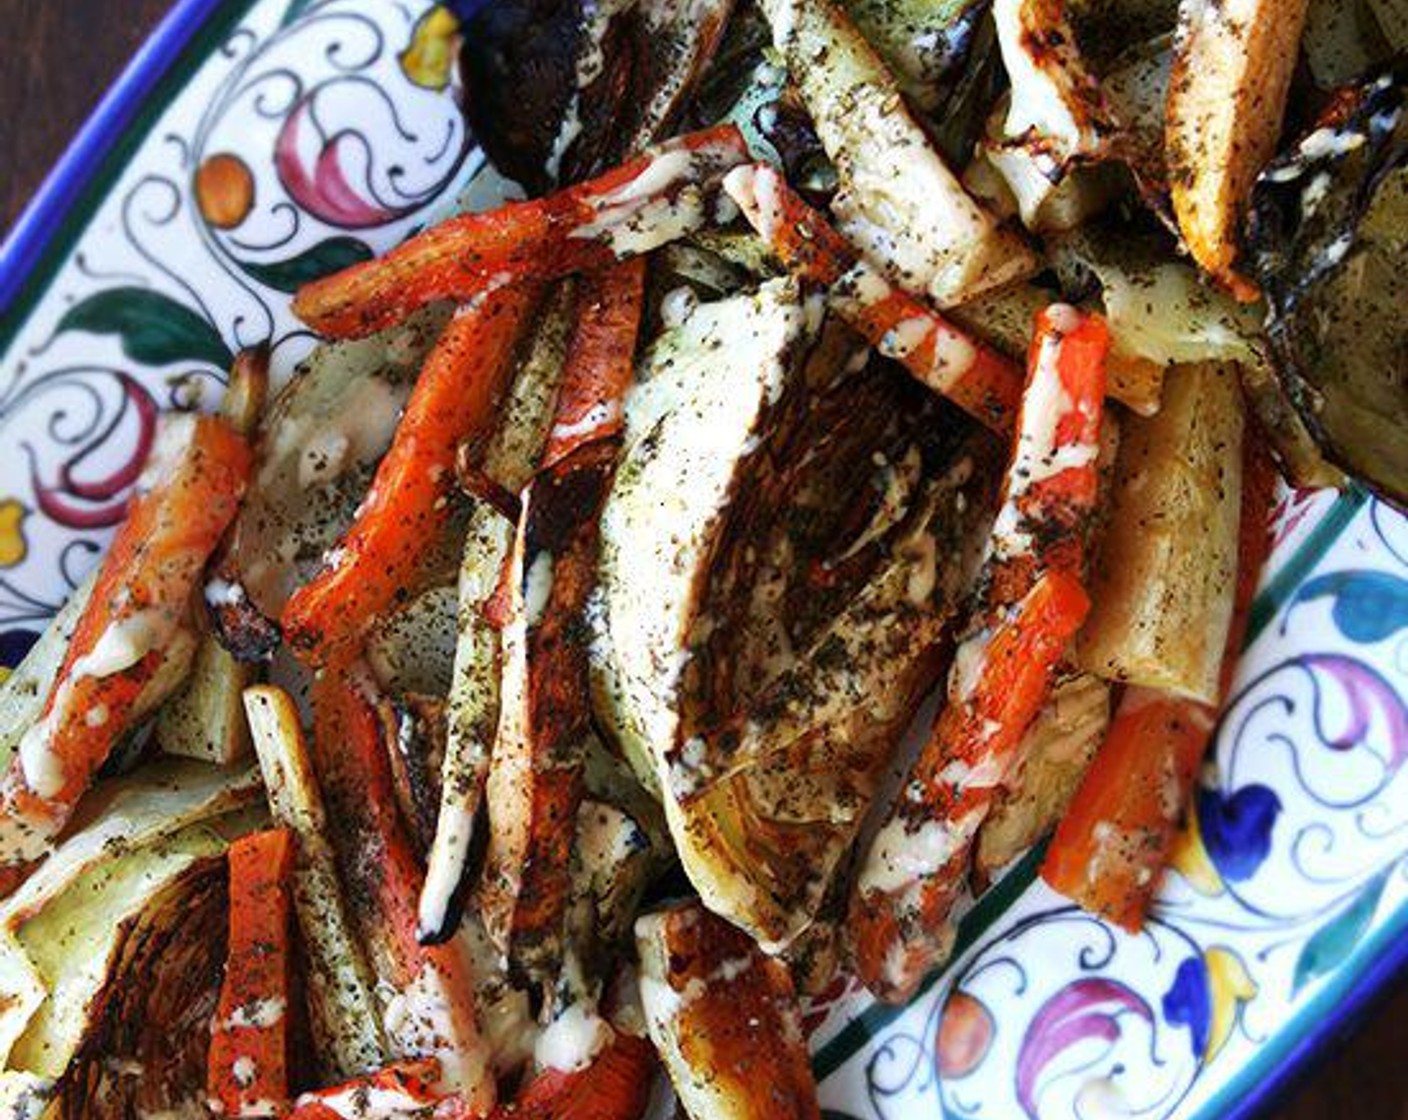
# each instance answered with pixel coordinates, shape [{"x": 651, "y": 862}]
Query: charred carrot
[
  {"x": 1113, "y": 842},
  {"x": 616, "y": 1086},
  {"x": 377, "y": 561},
  {"x": 188, "y": 495},
  {"x": 600, "y": 359},
  {"x": 972, "y": 375},
  {"x": 546, "y": 711},
  {"x": 248, "y": 1057},
  {"x": 401, "y": 1089},
  {"x": 638, "y": 206},
  {"x": 1029, "y": 604},
  {"x": 430, "y": 1010}
]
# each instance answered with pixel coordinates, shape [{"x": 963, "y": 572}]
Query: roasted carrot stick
[
  {"x": 189, "y": 494},
  {"x": 377, "y": 562},
  {"x": 248, "y": 1058},
  {"x": 616, "y": 1086},
  {"x": 600, "y": 359},
  {"x": 1029, "y": 604},
  {"x": 973, "y": 376},
  {"x": 401, "y": 1089},
  {"x": 546, "y": 708},
  {"x": 430, "y": 1012},
  {"x": 645, "y": 202},
  {"x": 1113, "y": 842}
]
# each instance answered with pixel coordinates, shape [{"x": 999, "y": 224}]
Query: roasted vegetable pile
[{"x": 509, "y": 714}]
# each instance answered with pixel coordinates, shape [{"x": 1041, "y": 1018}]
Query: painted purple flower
[
  {"x": 1082, "y": 1011},
  {"x": 1370, "y": 700},
  {"x": 313, "y": 168}
]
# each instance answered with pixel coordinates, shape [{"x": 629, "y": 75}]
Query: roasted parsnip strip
[
  {"x": 1114, "y": 840},
  {"x": 1030, "y": 603},
  {"x": 901, "y": 326},
  {"x": 186, "y": 499},
  {"x": 430, "y": 1009},
  {"x": 535, "y": 779},
  {"x": 1162, "y": 585},
  {"x": 647, "y": 201},
  {"x": 249, "y": 1040},
  {"x": 347, "y": 1032},
  {"x": 509, "y": 458},
  {"x": 379, "y": 558},
  {"x": 724, "y": 1019},
  {"x": 1232, "y": 67}
]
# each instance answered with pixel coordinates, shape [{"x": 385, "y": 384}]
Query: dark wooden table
[{"x": 61, "y": 56}]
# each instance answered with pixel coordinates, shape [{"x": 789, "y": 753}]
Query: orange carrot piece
[
  {"x": 377, "y": 562},
  {"x": 600, "y": 359},
  {"x": 430, "y": 1013},
  {"x": 188, "y": 496},
  {"x": 616, "y": 1086},
  {"x": 629, "y": 210},
  {"x": 972, "y": 375},
  {"x": 1030, "y": 602},
  {"x": 1113, "y": 842},
  {"x": 900, "y": 918},
  {"x": 248, "y": 1058},
  {"x": 402, "y": 1088}
]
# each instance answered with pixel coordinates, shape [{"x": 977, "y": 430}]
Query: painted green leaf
[
  {"x": 313, "y": 263},
  {"x": 295, "y": 9},
  {"x": 1333, "y": 942},
  {"x": 154, "y": 329}
]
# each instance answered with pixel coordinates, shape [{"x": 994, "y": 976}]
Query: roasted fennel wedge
[{"x": 789, "y": 527}]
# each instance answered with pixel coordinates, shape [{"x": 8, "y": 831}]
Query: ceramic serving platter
[{"x": 254, "y": 145}]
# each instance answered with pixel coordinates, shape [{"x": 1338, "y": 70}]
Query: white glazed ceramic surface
[{"x": 291, "y": 138}]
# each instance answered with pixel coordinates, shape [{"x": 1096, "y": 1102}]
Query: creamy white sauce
[
  {"x": 537, "y": 588},
  {"x": 600, "y": 415},
  {"x": 677, "y": 305},
  {"x": 364, "y": 1102},
  {"x": 224, "y": 593},
  {"x": 900, "y": 857},
  {"x": 573, "y": 1039},
  {"x": 421, "y": 1021},
  {"x": 445, "y": 866},
  {"x": 261, "y": 1013}
]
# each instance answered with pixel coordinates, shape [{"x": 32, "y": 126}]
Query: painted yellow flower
[
  {"x": 1231, "y": 986},
  {"x": 431, "y": 53},
  {"x": 1191, "y": 860},
  {"x": 13, "y": 547}
]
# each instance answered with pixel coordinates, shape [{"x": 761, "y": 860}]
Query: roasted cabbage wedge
[
  {"x": 1329, "y": 236},
  {"x": 77, "y": 944},
  {"x": 724, "y": 1018},
  {"x": 763, "y": 639}
]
